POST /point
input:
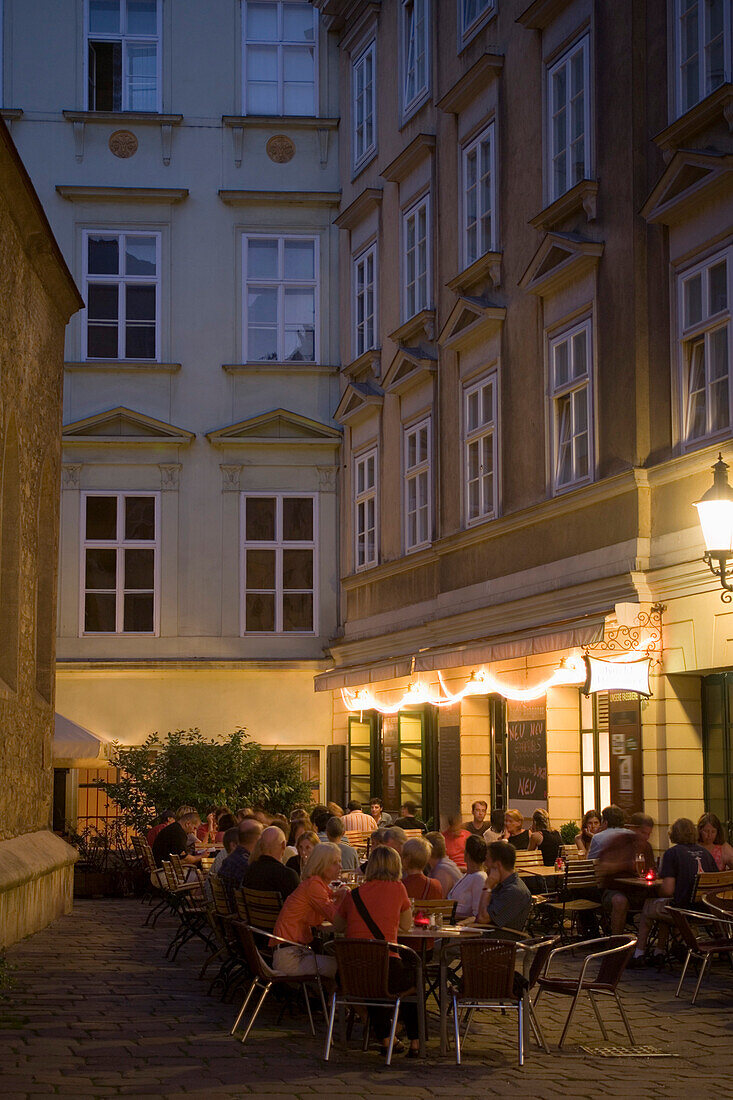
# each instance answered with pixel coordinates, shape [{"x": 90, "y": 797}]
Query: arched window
[
  {"x": 45, "y": 573},
  {"x": 9, "y": 559}
]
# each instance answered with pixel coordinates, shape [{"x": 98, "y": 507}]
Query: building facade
[
  {"x": 535, "y": 234},
  {"x": 37, "y": 297},
  {"x": 187, "y": 156}
]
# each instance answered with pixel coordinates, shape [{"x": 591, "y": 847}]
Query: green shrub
[{"x": 569, "y": 831}]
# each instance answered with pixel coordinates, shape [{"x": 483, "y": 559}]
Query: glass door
[
  {"x": 364, "y": 775},
  {"x": 717, "y": 708}
]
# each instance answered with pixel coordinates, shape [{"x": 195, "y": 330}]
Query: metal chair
[
  {"x": 363, "y": 969},
  {"x": 720, "y": 902},
  {"x": 488, "y": 981},
  {"x": 262, "y": 906},
  {"x": 580, "y": 876},
  {"x": 614, "y": 953},
  {"x": 264, "y": 977},
  {"x": 702, "y": 949},
  {"x": 710, "y": 880}
]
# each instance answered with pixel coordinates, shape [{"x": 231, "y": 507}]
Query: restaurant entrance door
[{"x": 717, "y": 714}]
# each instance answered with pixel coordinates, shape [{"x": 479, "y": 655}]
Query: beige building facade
[{"x": 537, "y": 216}]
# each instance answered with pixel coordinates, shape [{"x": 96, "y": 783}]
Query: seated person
[
  {"x": 356, "y": 820},
  {"x": 305, "y": 844},
  {"x": 376, "y": 809},
  {"x": 478, "y": 823},
  {"x": 455, "y": 837},
  {"x": 516, "y": 834},
  {"x": 710, "y": 835},
  {"x": 589, "y": 828},
  {"x": 265, "y": 869},
  {"x": 505, "y": 900},
  {"x": 231, "y": 840},
  {"x": 467, "y": 891},
  {"x": 395, "y": 838},
  {"x": 618, "y": 860},
  {"x": 415, "y": 856},
  {"x": 408, "y": 820},
  {"x": 441, "y": 867},
  {"x": 234, "y": 866},
  {"x": 612, "y": 824},
  {"x": 173, "y": 839},
  {"x": 312, "y": 903},
  {"x": 335, "y": 834},
  {"x": 544, "y": 837},
  {"x": 164, "y": 819},
  {"x": 678, "y": 871}
]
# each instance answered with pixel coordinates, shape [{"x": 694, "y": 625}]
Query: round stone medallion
[
  {"x": 280, "y": 148},
  {"x": 123, "y": 143}
]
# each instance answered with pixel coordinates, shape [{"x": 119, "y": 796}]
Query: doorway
[{"x": 717, "y": 710}]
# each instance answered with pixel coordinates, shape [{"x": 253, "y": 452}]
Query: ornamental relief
[
  {"x": 123, "y": 144},
  {"x": 280, "y": 148}
]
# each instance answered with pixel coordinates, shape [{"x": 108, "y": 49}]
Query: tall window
[
  {"x": 569, "y": 120},
  {"x": 416, "y": 257},
  {"x": 280, "y": 299},
  {"x": 279, "y": 563},
  {"x": 471, "y": 14},
  {"x": 705, "y": 344},
  {"x": 570, "y": 363},
  {"x": 595, "y": 751},
  {"x": 415, "y": 51},
  {"x": 479, "y": 191},
  {"x": 417, "y": 485},
  {"x": 365, "y": 509},
  {"x": 120, "y": 563},
  {"x": 365, "y": 304},
  {"x": 363, "y": 109},
  {"x": 280, "y": 57},
  {"x": 123, "y": 55},
  {"x": 703, "y": 49},
  {"x": 122, "y": 291},
  {"x": 480, "y": 449}
]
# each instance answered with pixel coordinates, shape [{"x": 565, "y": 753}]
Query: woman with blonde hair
[
  {"x": 309, "y": 905},
  {"x": 516, "y": 834}
]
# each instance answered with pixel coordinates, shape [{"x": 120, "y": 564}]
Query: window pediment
[
  {"x": 716, "y": 106},
  {"x": 369, "y": 199},
  {"x": 471, "y": 319},
  {"x": 472, "y": 83},
  {"x": 358, "y": 400},
  {"x": 124, "y": 426},
  {"x": 483, "y": 272},
  {"x": 409, "y": 367},
  {"x": 400, "y": 168},
  {"x": 560, "y": 258},
  {"x": 688, "y": 176},
  {"x": 583, "y": 197},
  {"x": 278, "y": 427}
]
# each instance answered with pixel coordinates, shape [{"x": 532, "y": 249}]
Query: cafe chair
[
  {"x": 488, "y": 981},
  {"x": 614, "y": 953},
  {"x": 710, "y": 880},
  {"x": 363, "y": 971},
  {"x": 720, "y": 902},
  {"x": 262, "y": 907},
  {"x": 440, "y": 907},
  {"x": 579, "y": 878},
  {"x": 265, "y": 977},
  {"x": 703, "y": 949}
]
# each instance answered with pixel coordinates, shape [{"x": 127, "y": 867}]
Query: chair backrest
[
  {"x": 580, "y": 874},
  {"x": 414, "y": 834},
  {"x": 262, "y": 906},
  {"x": 447, "y": 909},
  {"x": 571, "y": 851},
  {"x": 363, "y": 968},
  {"x": 220, "y": 896},
  {"x": 720, "y": 901},
  {"x": 239, "y": 905},
  {"x": 613, "y": 966},
  {"x": 711, "y": 880},
  {"x": 144, "y": 851},
  {"x": 254, "y": 960},
  {"x": 539, "y": 959},
  {"x": 178, "y": 870},
  {"x": 685, "y": 930},
  {"x": 528, "y": 859},
  {"x": 488, "y": 968},
  {"x": 357, "y": 838},
  {"x": 170, "y": 875}
]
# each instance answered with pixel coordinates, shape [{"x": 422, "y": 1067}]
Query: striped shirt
[{"x": 357, "y": 821}]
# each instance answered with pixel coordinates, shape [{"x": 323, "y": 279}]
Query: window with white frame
[
  {"x": 365, "y": 509},
  {"x": 365, "y": 300},
  {"x": 417, "y": 484},
  {"x": 471, "y": 14},
  {"x": 122, "y": 293},
  {"x": 705, "y": 347},
  {"x": 280, "y": 57},
  {"x": 415, "y": 51},
  {"x": 569, "y": 119},
  {"x": 703, "y": 49},
  {"x": 570, "y": 370},
  {"x": 479, "y": 191},
  {"x": 120, "y": 563},
  {"x": 480, "y": 436},
  {"x": 279, "y": 539},
  {"x": 123, "y": 55},
  {"x": 280, "y": 299},
  {"x": 363, "y": 107},
  {"x": 416, "y": 257}
]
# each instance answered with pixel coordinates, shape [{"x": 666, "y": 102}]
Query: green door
[
  {"x": 717, "y": 712},
  {"x": 364, "y": 772}
]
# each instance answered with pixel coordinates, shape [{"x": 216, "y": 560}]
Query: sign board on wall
[
  {"x": 449, "y": 761},
  {"x": 625, "y": 676},
  {"x": 527, "y": 756},
  {"x": 624, "y": 728},
  {"x": 390, "y": 762}
]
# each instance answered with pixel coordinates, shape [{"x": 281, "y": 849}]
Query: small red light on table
[
  {"x": 421, "y": 921},
  {"x": 650, "y": 876}
]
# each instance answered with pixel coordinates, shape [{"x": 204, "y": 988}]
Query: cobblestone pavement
[{"x": 96, "y": 1011}]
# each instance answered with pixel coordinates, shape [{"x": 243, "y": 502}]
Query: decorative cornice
[
  {"x": 169, "y": 196},
  {"x": 280, "y": 122},
  {"x": 420, "y": 147},
  {"x": 582, "y": 196},
  {"x": 468, "y": 87},
  {"x": 580, "y": 256},
  {"x": 408, "y": 369},
  {"x": 107, "y": 366},
  {"x": 359, "y": 399},
  {"x": 541, "y": 13},
  {"x": 368, "y": 363},
  {"x": 369, "y": 199},
  {"x": 276, "y": 428},
  {"x": 143, "y": 430},
  {"x": 471, "y": 320},
  {"x": 270, "y": 366},
  {"x": 719, "y": 104},
  {"x": 688, "y": 176},
  {"x": 486, "y": 269},
  {"x": 140, "y": 118},
  {"x": 408, "y": 332},
  {"x": 280, "y": 198}
]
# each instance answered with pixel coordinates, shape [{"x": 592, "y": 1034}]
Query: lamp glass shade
[{"x": 716, "y": 520}]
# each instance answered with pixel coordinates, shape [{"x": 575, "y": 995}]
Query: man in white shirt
[
  {"x": 467, "y": 891},
  {"x": 356, "y": 820},
  {"x": 612, "y": 825}
]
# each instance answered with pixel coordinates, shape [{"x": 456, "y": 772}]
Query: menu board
[
  {"x": 624, "y": 726},
  {"x": 526, "y": 756},
  {"x": 449, "y": 761}
]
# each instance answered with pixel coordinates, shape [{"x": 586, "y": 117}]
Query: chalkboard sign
[
  {"x": 526, "y": 753},
  {"x": 449, "y": 761}
]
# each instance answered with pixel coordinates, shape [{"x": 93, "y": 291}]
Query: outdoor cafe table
[{"x": 643, "y": 882}]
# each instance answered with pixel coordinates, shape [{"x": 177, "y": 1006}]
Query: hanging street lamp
[{"x": 715, "y": 511}]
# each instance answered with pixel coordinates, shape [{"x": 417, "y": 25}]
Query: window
[
  {"x": 363, "y": 104},
  {"x": 365, "y": 509},
  {"x": 122, "y": 291},
  {"x": 705, "y": 343},
  {"x": 595, "y": 753},
  {"x": 568, "y": 96},
  {"x": 703, "y": 49},
  {"x": 365, "y": 302},
  {"x": 570, "y": 370},
  {"x": 416, "y": 53},
  {"x": 123, "y": 55},
  {"x": 280, "y": 58},
  {"x": 478, "y": 197},
  {"x": 280, "y": 292},
  {"x": 416, "y": 258},
  {"x": 480, "y": 449},
  {"x": 120, "y": 563},
  {"x": 417, "y": 485},
  {"x": 278, "y": 563},
  {"x": 471, "y": 14}
]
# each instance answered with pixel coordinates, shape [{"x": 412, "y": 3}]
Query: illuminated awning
[{"x": 73, "y": 742}]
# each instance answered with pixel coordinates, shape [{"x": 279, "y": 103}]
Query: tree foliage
[{"x": 186, "y": 768}]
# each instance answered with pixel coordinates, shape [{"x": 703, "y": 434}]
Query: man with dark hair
[
  {"x": 173, "y": 839},
  {"x": 396, "y": 839},
  {"x": 320, "y": 819},
  {"x": 618, "y": 860},
  {"x": 234, "y": 866},
  {"x": 164, "y": 819},
  {"x": 612, "y": 825},
  {"x": 335, "y": 834},
  {"x": 506, "y": 901},
  {"x": 376, "y": 809},
  {"x": 356, "y": 820},
  {"x": 478, "y": 824},
  {"x": 409, "y": 820}
]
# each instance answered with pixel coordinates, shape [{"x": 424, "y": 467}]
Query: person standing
[{"x": 455, "y": 837}]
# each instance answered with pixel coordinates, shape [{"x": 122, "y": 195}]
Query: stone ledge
[{"x": 29, "y": 857}]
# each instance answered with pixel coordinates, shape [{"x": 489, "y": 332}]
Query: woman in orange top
[
  {"x": 309, "y": 905},
  {"x": 455, "y": 841}
]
